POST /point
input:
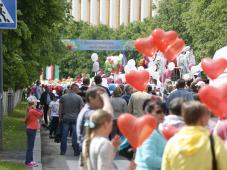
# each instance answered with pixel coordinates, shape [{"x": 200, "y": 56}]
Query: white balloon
[
  {"x": 186, "y": 77},
  {"x": 152, "y": 66},
  {"x": 104, "y": 82},
  {"x": 132, "y": 68},
  {"x": 131, "y": 63},
  {"x": 94, "y": 57},
  {"x": 122, "y": 76},
  {"x": 95, "y": 67},
  {"x": 155, "y": 75},
  {"x": 150, "y": 71},
  {"x": 115, "y": 60},
  {"x": 140, "y": 68},
  {"x": 126, "y": 69},
  {"x": 200, "y": 67},
  {"x": 171, "y": 66},
  {"x": 96, "y": 64},
  {"x": 195, "y": 69},
  {"x": 121, "y": 56}
]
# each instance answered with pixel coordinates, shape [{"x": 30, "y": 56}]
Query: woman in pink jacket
[{"x": 32, "y": 124}]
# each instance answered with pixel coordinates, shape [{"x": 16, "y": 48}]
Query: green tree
[
  {"x": 207, "y": 24},
  {"x": 35, "y": 43}
]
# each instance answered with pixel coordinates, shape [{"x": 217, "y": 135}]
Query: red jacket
[{"x": 32, "y": 119}]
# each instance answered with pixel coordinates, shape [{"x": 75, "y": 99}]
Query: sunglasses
[{"x": 159, "y": 112}]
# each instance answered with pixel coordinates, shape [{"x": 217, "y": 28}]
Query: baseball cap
[
  {"x": 200, "y": 84},
  {"x": 32, "y": 99},
  {"x": 112, "y": 87}
]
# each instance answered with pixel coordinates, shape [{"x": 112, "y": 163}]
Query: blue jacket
[
  {"x": 188, "y": 96},
  {"x": 149, "y": 154}
]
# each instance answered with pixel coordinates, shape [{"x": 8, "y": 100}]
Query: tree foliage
[
  {"x": 201, "y": 23},
  {"x": 35, "y": 42},
  {"x": 207, "y": 24},
  {"x": 42, "y": 24}
]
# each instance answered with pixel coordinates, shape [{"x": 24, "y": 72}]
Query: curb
[{"x": 37, "y": 152}]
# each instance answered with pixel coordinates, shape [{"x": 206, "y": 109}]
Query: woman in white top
[{"x": 98, "y": 151}]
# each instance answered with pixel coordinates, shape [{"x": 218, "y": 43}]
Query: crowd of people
[{"x": 89, "y": 113}]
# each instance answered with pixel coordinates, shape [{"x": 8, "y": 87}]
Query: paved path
[{"x": 52, "y": 160}]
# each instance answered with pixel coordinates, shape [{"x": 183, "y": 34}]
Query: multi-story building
[{"x": 111, "y": 12}]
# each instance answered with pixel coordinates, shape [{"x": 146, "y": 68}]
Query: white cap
[
  {"x": 32, "y": 99},
  {"x": 200, "y": 84}
]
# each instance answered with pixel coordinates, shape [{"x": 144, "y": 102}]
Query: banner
[{"x": 99, "y": 45}]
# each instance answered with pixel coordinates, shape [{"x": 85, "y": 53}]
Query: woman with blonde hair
[{"x": 98, "y": 151}]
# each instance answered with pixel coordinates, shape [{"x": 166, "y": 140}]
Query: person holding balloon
[
  {"x": 98, "y": 151},
  {"x": 193, "y": 147},
  {"x": 149, "y": 154}
]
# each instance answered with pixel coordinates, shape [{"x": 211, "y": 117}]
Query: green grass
[
  {"x": 14, "y": 136},
  {"x": 11, "y": 166}
]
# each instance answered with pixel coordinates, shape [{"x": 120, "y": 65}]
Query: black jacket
[{"x": 43, "y": 98}]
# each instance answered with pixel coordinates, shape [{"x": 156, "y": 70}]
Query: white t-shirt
[
  {"x": 101, "y": 154},
  {"x": 54, "y": 108}
]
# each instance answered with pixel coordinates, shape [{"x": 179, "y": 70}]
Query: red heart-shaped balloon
[
  {"x": 163, "y": 39},
  {"x": 174, "y": 49},
  {"x": 136, "y": 130},
  {"x": 215, "y": 99},
  {"x": 213, "y": 68},
  {"x": 169, "y": 131},
  {"x": 138, "y": 79},
  {"x": 146, "y": 46}
]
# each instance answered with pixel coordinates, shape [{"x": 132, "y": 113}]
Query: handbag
[{"x": 214, "y": 162}]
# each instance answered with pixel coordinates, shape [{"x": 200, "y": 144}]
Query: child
[
  {"x": 98, "y": 151},
  {"x": 32, "y": 124},
  {"x": 54, "y": 108}
]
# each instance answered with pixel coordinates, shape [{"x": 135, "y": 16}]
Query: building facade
[{"x": 111, "y": 12}]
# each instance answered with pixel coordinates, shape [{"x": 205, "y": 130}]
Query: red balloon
[
  {"x": 215, "y": 99},
  {"x": 213, "y": 68},
  {"x": 146, "y": 46},
  {"x": 174, "y": 49},
  {"x": 138, "y": 79},
  {"x": 136, "y": 130},
  {"x": 158, "y": 35},
  {"x": 169, "y": 131},
  {"x": 163, "y": 39}
]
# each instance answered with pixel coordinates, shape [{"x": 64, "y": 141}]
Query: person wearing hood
[{"x": 193, "y": 147}]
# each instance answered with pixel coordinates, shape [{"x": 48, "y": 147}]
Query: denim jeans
[
  {"x": 68, "y": 124},
  {"x": 45, "y": 111},
  {"x": 54, "y": 125},
  {"x": 31, "y": 133}
]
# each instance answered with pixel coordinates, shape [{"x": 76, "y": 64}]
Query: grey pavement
[{"x": 52, "y": 160}]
